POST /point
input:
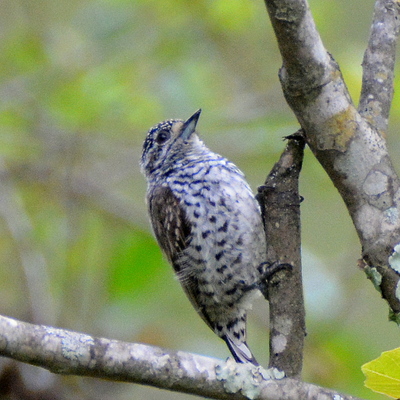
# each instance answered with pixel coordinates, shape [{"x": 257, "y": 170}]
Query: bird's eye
[{"x": 162, "y": 137}]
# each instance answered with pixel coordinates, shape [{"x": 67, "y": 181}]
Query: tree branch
[
  {"x": 66, "y": 352},
  {"x": 350, "y": 149},
  {"x": 304, "y": 57},
  {"x": 378, "y": 65},
  {"x": 280, "y": 203}
]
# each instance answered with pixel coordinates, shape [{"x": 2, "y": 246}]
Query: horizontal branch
[{"x": 66, "y": 352}]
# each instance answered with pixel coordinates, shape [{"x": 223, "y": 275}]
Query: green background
[{"x": 81, "y": 82}]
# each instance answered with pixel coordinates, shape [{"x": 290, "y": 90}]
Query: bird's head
[{"x": 165, "y": 137}]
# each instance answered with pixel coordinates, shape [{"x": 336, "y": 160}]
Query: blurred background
[{"x": 81, "y": 83}]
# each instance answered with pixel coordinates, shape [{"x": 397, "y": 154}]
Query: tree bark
[
  {"x": 66, "y": 352},
  {"x": 280, "y": 203},
  {"x": 348, "y": 144}
]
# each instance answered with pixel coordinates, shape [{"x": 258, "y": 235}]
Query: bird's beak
[{"x": 189, "y": 126}]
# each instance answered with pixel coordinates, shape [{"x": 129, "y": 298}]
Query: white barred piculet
[{"x": 209, "y": 226}]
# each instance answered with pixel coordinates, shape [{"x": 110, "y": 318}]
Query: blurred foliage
[{"x": 81, "y": 82}]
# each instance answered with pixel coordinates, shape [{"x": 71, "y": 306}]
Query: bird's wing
[
  {"x": 173, "y": 231},
  {"x": 169, "y": 221}
]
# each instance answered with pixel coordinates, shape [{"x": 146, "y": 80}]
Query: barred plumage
[{"x": 208, "y": 224}]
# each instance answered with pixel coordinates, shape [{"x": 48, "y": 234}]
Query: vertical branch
[
  {"x": 280, "y": 202},
  {"x": 378, "y": 64},
  {"x": 349, "y": 145}
]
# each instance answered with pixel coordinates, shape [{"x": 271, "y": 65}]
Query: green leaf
[{"x": 383, "y": 373}]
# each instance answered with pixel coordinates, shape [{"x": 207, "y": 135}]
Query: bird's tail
[{"x": 240, "y": 351}]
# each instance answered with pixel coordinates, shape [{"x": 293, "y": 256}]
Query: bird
[{"x": 209, "y": 226}]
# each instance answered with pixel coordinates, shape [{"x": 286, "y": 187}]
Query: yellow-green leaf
[{"x": 383, "y": 373}]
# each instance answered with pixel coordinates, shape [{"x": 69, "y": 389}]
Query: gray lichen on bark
[{"x": 349, "y": 143}]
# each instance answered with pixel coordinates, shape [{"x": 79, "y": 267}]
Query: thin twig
[
  {"x": 280, "y": 202},
  {"x": 378, "y": 64}
]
